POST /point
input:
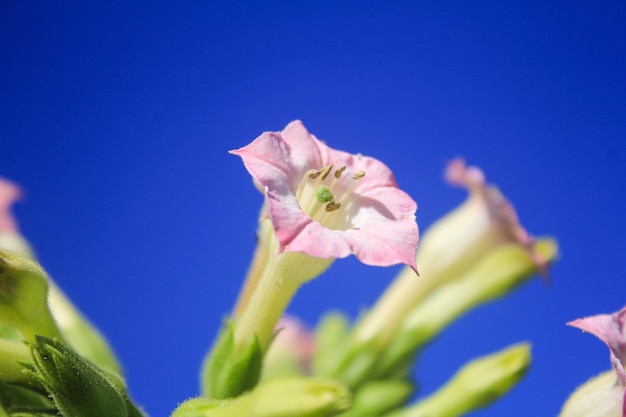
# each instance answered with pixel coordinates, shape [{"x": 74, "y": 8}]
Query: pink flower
[
  {"x": 611, "y": 329},
  {"x": 9, "y": 193},
  {"x": 328, "y": 203}
]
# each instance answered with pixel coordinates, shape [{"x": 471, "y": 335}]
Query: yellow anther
[
  {"x": 326, "y": 170},
  {"x": 338, "y": 173},
  {"x": 358, "y": 175}
]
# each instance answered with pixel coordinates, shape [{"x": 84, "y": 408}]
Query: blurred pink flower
[
  {"x": 328, "y": 203},
  {"x": 293, "y": 343},
  {"x": 9, "y": 193}
]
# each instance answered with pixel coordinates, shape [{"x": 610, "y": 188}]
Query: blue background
[{"x": 116, "y": 118}]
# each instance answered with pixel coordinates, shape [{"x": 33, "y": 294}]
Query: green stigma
[{"x": 323, "y": 194}]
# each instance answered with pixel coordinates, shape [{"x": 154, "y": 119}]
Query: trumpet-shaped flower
[
  {"x": 329, "y": 204},
  {"x": 449, "y": 248},
  {"x": 485, "y": 220},
  {"x": 320, "y": 204}
]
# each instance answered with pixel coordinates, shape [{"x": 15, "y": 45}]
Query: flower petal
[{"x": 611, "y": 329}]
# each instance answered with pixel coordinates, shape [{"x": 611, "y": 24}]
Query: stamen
[
  {"x": 340, "y": 171},
  {"x": 314, "y": 173},
  {"x": 358, "y": 175},
  {"x": 326, "y": 170},
  {"x": 332, "y": 206}
]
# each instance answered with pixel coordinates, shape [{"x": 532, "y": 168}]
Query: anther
[
  {"x": 314, "y": 173},
  {"x": 339, "y": 172},
  {"x": 326, "y": 170},
  {"x": 332, "y": 206},
  {"x": 358, "y": 175}
]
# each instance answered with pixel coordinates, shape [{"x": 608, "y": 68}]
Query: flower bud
[
  {"x": 77, "y": 387},
  {"x": 478, "y": 384},
  {"x": 280, "y": 397}
]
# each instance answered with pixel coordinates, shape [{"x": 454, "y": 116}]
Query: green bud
[
  {"x": 378, "y": 397},
  {"x": 23, "y": 297},
  {"x": 229, "y": 372},
  {"x": 77, "y": 387},
  {"x": 601, "y": 396},
  {"x": 476, "y": 385},
  {"x": 280, "y": 397}
]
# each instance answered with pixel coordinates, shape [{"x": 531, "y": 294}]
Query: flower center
[{"x": 324, "y": 197}]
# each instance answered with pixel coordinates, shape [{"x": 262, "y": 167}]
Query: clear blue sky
[{"x": 116, "y": 118}]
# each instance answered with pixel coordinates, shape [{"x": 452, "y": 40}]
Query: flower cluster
[{"x": 320, "y": 204}]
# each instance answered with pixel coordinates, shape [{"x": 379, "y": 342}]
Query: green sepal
[
  {"x": 377, "y": 397},
  {"x": 77, "y": 387},
  {"x": 24, "y": 400},
  {"x": 229, "y": 373},
  {"x": 280, "y": 397}
]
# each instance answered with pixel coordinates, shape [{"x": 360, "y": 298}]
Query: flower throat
[{"x": 319, "y": 189}]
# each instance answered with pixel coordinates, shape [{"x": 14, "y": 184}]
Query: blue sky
[{"x": 116, "y": 118}]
